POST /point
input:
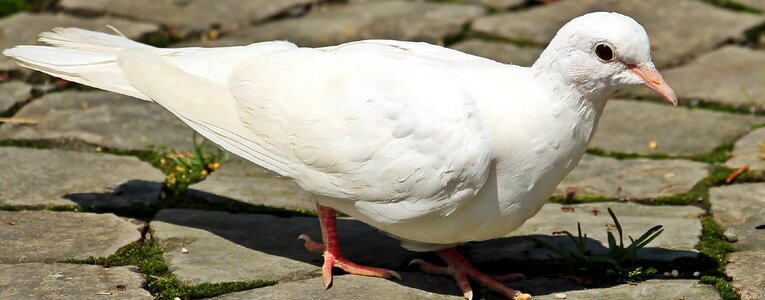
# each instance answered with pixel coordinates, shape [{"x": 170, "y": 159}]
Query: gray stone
[
  {"x": 100, "y": 118},
  {"x": 52, "y": 177},
  {"x": 730, "y": 234},
  {"x": 401, "y": 20},
  {"x": 741, "y": 206},
  {"x": 630, "y": 127},
  {"x": 666, "y": 22},
  {"x": 748, "y": 151},
  {"x": 195, "y": 14},
  {"x": 746, "y": 270},
  {"x": 46, "y": 236},
  {"x": 355, "y": 287},
  {"x": 682, "y": 230},
  {"x": 501, "y": 52},
  {"x": 632, "y": 179},
  {"x": 649, "y": 289},
  {"x": 67, "y": 281},
  {"x": 731, "y": 75},
  {"x": 246, "y": 182},
  {"x": 23, "y": 28},
  {"x": 13, "y": 93},
  {"x": 241, "y": 247}
]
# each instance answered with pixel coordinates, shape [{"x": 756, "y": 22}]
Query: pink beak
[{"x": 653, "y": 79}]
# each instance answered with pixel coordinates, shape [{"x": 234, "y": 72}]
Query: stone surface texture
[
  {"x": 246, "y": 182},
  {"x": 228, "y": 15},
  {"x": 631, "y": 126},
  {"x": 401, "y": 20},
  {"x": 241, "y": 247},
  {"x": 46, "y": 236},
  {"x": 53, "y": 177},
  {"x": 344, "y": 287},
  {"x": 749, "y": 151},
  {"x": 650, "y": 289},
  {"x": 13, "y": 93},
  {"x": 23, "y": 28},
  {"x": 68, "y": 281},
  {"x": 731, "y": 76},
  {"x": 100, "y": 118},
  {"x": 632, "y": 178},
  {"x": 741, "y": 206},
  {"x": 746, "y": 270},
  {"x": 664, "y": 21},
  {"x": 501, "y": 52}
]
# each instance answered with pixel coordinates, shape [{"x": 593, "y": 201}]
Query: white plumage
[{"x": 431, "y": 145}]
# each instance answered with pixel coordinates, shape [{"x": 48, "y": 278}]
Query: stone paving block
[
  {"x": 631, "y": 126},
  {"x": 501, "y": 52},
  {"x": 747, "y": 151},
  {"x": 682, "y": 229},
  {"x": 54, "y": 177},
  {"x": 401, "y": 20},
  {"x": 649, "y": 289},
  {"x": 732, "y": 76},
  {"x": 416, "y": 285},
  {"x": 356, "y": 287},
  {"x": 68, "y": 281},
  {"x": 23, "y": 28},
  {"x": 46, "y": 236},
  {"x": 100, "y": 118},
  {"x": 741, "y": 206},
  {"x": 197, "y": 14},
  {"x": 746, "y": 270},
  {"x": 667, "y": 23},
  {"x": 241, "y": 247},
  {"x": 632, "y": 179},
  {"x": 242, "y": 181},
  {"x": 12, "y": 93}
]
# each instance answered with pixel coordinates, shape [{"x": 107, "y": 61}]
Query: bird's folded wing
[
  {"x": 370, "y": 123},
  {"x": 376, "y": 125}
]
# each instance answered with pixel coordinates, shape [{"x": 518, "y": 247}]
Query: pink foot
[
  {"x": 331, "y": 251},
  {"x": 461, "y": 270}
]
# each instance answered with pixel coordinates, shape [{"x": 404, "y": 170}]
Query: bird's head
[{"x": 604, "y": 52}]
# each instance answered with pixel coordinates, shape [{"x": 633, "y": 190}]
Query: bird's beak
[{"x": 653, "y": 79}]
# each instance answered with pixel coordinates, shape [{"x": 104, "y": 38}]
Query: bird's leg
[
  {"x": 331, "y": 250},
  {"x": 459, "y": 268}
]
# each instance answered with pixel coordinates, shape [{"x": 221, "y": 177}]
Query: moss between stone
[
  {"x": 718, "y": 155},
  {"x": 9, "y": 7},
  {"x": 712, "y": 245},
  {"x": 732, "y": 5},
  {"x": 149, "y": 258}
]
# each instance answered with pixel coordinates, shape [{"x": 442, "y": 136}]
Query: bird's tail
[{"x": 82, "y": 56}]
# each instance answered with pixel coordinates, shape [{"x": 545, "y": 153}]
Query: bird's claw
[{"x": 311, "y": 245}]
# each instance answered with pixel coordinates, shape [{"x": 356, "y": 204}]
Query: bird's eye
[{"x": 604, "y": 52}]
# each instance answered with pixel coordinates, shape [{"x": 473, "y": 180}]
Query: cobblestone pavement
[{"x": 90, "y": 209}]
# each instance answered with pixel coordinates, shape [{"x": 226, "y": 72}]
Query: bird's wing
[{"x": 389, "y": 125}]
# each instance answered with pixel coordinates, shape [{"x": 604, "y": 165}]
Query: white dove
[{"x": 432, "y": 146}]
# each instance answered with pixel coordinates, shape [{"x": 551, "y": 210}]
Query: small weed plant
[
  {"x": 186, "y": 168},
  {"x": 619, "y": 260}
]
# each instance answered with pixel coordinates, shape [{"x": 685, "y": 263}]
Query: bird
[{"x": 430, "y": 145}]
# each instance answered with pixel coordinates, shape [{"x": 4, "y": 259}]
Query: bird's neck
[{"x": 574, "y": 91}]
